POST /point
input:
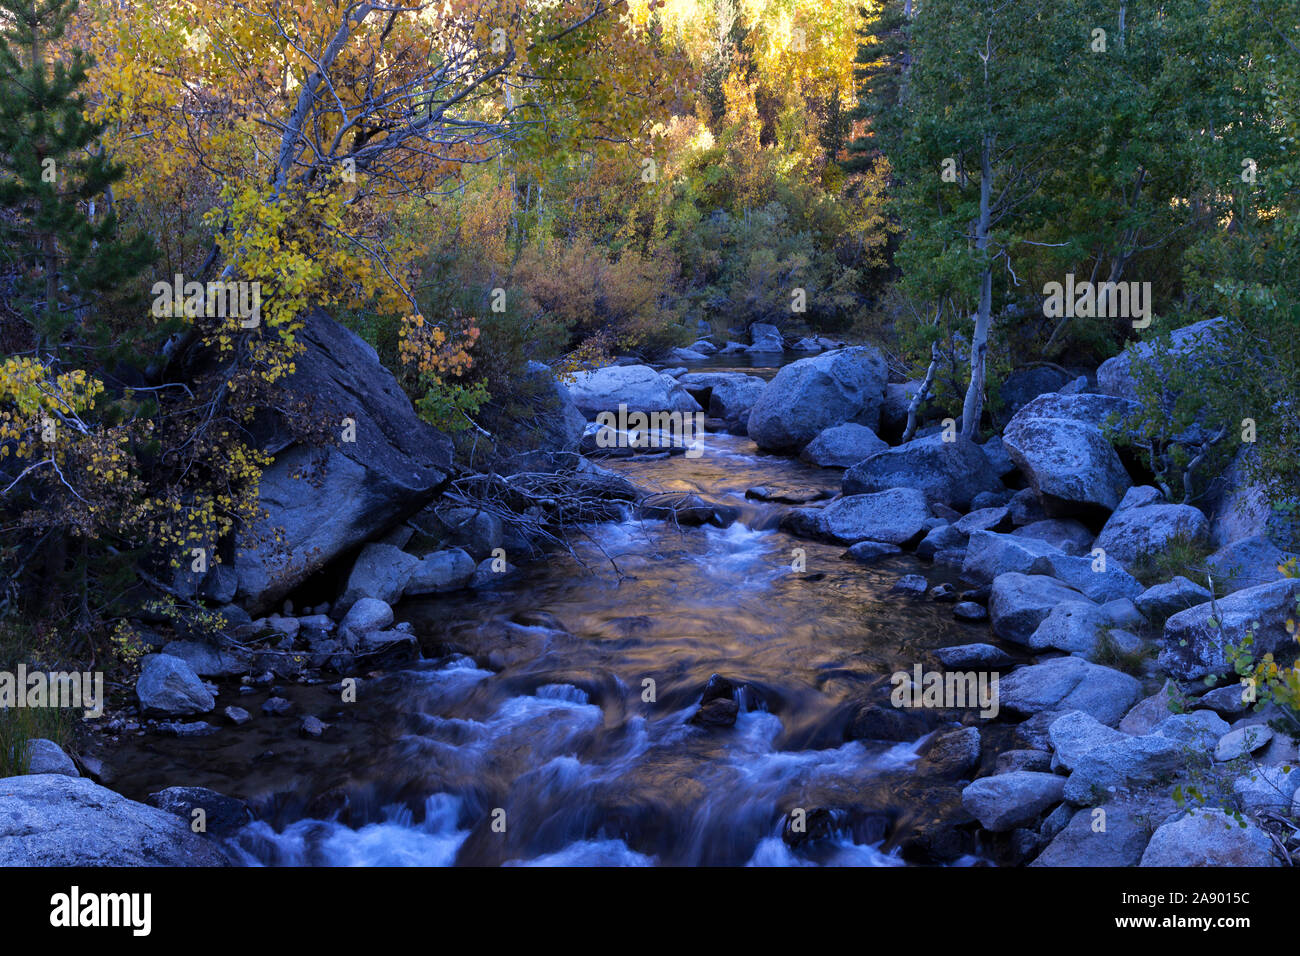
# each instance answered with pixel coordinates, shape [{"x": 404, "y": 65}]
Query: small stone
[
  {"x": 237, "y": 715},
  {"x": 913, "y": 585},
  {"x": 276, "y": 706},
  {"x": 312, "y": 727},
  {"x": 969, "y": 611}
]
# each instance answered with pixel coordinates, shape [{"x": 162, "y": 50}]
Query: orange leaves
[{"x": 434, "y": 351}]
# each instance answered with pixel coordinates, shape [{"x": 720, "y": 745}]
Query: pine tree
[
  {"x": 58, "y": 232},
  {"x": 880, "y": 67}
]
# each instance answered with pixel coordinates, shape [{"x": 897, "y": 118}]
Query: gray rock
[
  {"x": 996, "y": 453},
  {"x": 896, "y": 516},
  {"x": 868, "y": 552},
  {"x": 808, "y": 396},
  {"x": 1075, "y": 733},
  {"x": 168, "y": 685},
  {"x": 1193, "y": 647},
  {"x": 893, "y": 413},
  {"x": 1018, "y": 603},
  {"x": 1270, "y": 788},
  {"x": 55, "y": 820},
  {"x": 380, "y": 571},
  {"x": 951, "y": 473},
  {"x": 1225, "y": 701},
  {"x": 367, "y": 614},
  {"x": 439, "y": 572},
  {"x": 989, "y": 554},
  {"x": 1200, "y": 729},
  {"x": 1161, "y": 600},
  {"x": 45, "y": 756},
  {"x": 1038, "y": 761},
  {"x": 952, "y": 755},
  {"x": 842, "y": 445},
  {"x": 1009, "y": 800},
  {"x": 1136, "y": 532},
  {"x": 221, "y": 815},
  {"x": 1208, "y": 838},
  {"x": 208, "y": 661},
  {"x": 639, "y": 387},
  {"x": 1068, "y": 463},
  {"x": 1115, "y": 376},
  {"x": 1025, "y": 508},
  {"x": 1083, "y": 843},
  {"x": 969, "y": 611},
  {"x": 765, "y": 338},
  {"x": 729, "y": 396},
  {"x": 1023, "y": 385},
  {"x": 944, "y": 537},
  {"x": 237, "y": 715},
  {"x": 984, "y": 519},
  {"x": 312, "y": 727},
  {"x": 913, "y": 585},
  {"x": 327, "y": 501},
  {"x": 1245, "y": 563},
  {"x": 970, "y": 656},
  {"x": 473, "y": 530},
  {"x": 1242, "y": 741},
  {"x": 1070, "y": 683},
  {"x": 1131, "y": 762},
  {"x": 1068, "y": 535},
  {"x": 1072, "y": 626},
  {"x": 1150, "y": 712}
]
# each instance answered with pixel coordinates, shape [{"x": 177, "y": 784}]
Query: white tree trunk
[{"x": 973, "y": 407}]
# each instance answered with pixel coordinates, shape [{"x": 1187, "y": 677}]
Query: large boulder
[
  {"x": 1018, "y": 603},
  {"x": 810, "y": 395},
  {"x": 989, "y": 555},
  {"x": 168, "y": 685},
  {"x": 1131, "y": 533},
  {"x": 1009, "y": 800},
  {"x": 1023, "y": 385},
  {"x": 57, "y": 820},
  {"x": 1160, "y": 601},
  {"x": 1194, "y": 639},
  {"x": 1074, "y": 734},
  {"x": 639, "y": 387},
  {"x": 1117, "y": 839},
  {"x": 897, "y": 516},
  {"x": 1075, "y": 627},
  {"x": 726, "y": 395},
  {"x": 440, "y": 571},
  {"x": 765, "y": 338},
  {"x": 380, "y": 571},
  {"x": 952, "y": 473},
  {"x": 1069, "y": 535},
  {"x": 1209, "y": 837},
  {"x": 842, "y": 445},
  {"x": 1115, "y": 376},
  {"x": 1245, "y": 562},
  {"x": 1070, "y": 683},
  {"x": 325, "y": 501},
  {"x": 1069, "y": 464}
]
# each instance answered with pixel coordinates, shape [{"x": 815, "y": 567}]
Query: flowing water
[{"x": 549, "y": 722}]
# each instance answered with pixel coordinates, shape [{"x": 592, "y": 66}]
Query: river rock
[
  {"x": 367, "y": 614},
  {"x": 1131, "y": 533},
  {"x": 1024, "y": 507},
  {"x": 952, "y": 755},
  {"x": 1194, "y": 648},
  {"x": 639, "y": 387},
  {"x": 1117, "y": 839},
  {"x": 1020, "y": 602},
  {"x": 983, "y": 519},
  {"x": 168, "y": 685},
  {"x": 1038, "y": 761},
  {"x": 1130, "y": 762},
  {"x": 1075, "y": 733},
  {"x": 765, "y": 338},
  {"x": 56, "y": 820},
  {"x": 1150, "y": 712},
  {"x": 970, "y": 612},
  {"x": 945, "y": 537},
  {"x": 45, "y": 756},
  {"x": 729, "y": 396},
  {"x": 329, "y": 500},
  {"x": 1070, "y": 683},
  {"x": 1242, "y": 741},
  {"x": 1068, "y": 535},
  {"x": 221, "y": 814},
  {"x": 913, "y": 585},
  {"x": 1208, "y": 837},
  {"x": 1269, "y": 788},
  {"x": 1225, "y": 701},
  {"x": 1009, "y": 800},
  {"x": 869, "y": 552},
  {"x": 1200, "y": 729},
  {"x": 950, "y": 473},
  {"x": 1245, "y": 563},
  {"x": 1068, "y": 462},
  {"x": 808, "y": 396},
  {"x": 1115, "y": 376},
  {"x": 1023, "y": 385},
  {"x": 1075, "y": 627},
  {"x": 969, "y": 656},
  {"x": 209, "y": 661},
  {"x": 1160, "y": 601},
  {"x": 380, "y": 571},
  {"x": 896, "y": 516},
  {"x": 439, "y": 572},
  {"x": 842, "y": 445}
]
